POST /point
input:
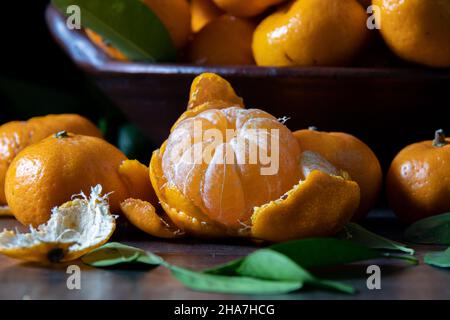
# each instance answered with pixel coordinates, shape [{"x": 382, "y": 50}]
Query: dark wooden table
[{"x": 20, "y": 280}]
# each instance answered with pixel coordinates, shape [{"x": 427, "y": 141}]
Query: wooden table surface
[{"x": 20, "y": 280}]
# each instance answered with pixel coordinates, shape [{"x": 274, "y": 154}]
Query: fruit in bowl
[
  {"x": 288, "y": 33},
  {"x": 416, "y": 30},
  {"x": 230, "y": 171},
  {"x": 311, "y": 33}
]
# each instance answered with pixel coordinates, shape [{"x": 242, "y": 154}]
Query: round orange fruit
[
  {"x": 17, "y": 135},
  {"x": 47, "y": 174},
  {"x": 224, "y": 41},
  {"x": 202, "y": 13},
  {"x": 418, "y": 181},
  {"x": 311, "y": 33},
  {"x": 417, "y": 30},
  {"x": 247, "y": 8}
]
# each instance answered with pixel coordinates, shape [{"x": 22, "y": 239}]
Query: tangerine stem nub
[
  {"x": 439, "y": 139},
  {"x": 61, "y": 134}
]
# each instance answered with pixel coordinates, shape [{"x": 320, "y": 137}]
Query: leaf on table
[
  {"x": 129, "y": 25},
  {"x": 432, "y": 230},
  {"x": 355, "y": 233},
  {"x": 114, "y": 253},
  {"x": 232, "y": 284},
  {"x": 324, "y": 252},
  {"x": 439, "y": 259},
  {"x": 268, "y": 264},
  {"x": 316, "y": 253}
]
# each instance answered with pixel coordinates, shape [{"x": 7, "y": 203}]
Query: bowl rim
[{"x": 94, "y": 61}]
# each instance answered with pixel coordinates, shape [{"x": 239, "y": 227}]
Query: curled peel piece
[
  {"x": 209, "y": 87},
  {"x": 75, "y": 228},
  {"x": 136, "y": 177},
  {"x": 142, "y": 214},
  {"x": 186, "y": 215},
  {"x": 318, "y": 206},
  {"x": 5, "y": 212}
]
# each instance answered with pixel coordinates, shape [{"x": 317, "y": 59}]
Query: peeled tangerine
[
  {"x": 75, "y": 228},
  {"x": 211, "y": 183}
]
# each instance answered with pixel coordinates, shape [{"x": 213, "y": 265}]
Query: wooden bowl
[{"x": 386, "y": 107}]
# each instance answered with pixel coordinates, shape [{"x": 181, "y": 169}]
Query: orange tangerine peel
[
  {"x": 5, "y": 212},
  {"x": 210, "y": 87},
  {"x": 143, "y": 215},
  {"x": 74, "y": 229},
  {"x": 318, "y": 206}
]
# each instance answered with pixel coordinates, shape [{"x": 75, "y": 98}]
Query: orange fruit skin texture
[
  {"x": 224, "y": 41},
  {"x": 311, "y": 33},
  {"x": 418, "y": 181},
  {"x": 352, "y": 155},
  {"x": 202, "y": 13},
  {"x": 48, "y": 173},
  {"x": 417, "y": 30},
  {"x": 176, "y": 16},
  {"x": 16, "y": 135},
  {"x": 246, "y": 8}
]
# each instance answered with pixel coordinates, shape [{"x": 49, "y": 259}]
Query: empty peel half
[{"x": 74, "y": 229}]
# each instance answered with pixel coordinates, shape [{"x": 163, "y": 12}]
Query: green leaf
[
  {"x": 324, "y": 252},
  {"x": 129, "y": 25},
  {"x": 438, "y": 259},
  {"x": 432, "y": 230},
  {"x": 228, "y": 268},
  {"x": 355, "y": 233},
  {"x": 309, "y": 253},
  {"x": 271, "y": 265},
  {"x": 114, "y": 253},
  {"x": 232, "y": 284}
]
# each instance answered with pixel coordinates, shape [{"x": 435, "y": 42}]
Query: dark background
[{"x": 38, "y": 78}]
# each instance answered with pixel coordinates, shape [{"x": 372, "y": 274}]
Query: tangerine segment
[
  {"x": 190, "y": 113},
  {"x": 250, "y": 160},
  {"x": 182, "y": 212},
  {"x": 136, "y": 177},
  {"x": 143, "y": 215},
  {"x": 317, "y": 207},
  {"x": 209, "y": 87}
]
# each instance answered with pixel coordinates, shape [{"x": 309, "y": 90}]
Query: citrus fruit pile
[{"x": 299, "y": 32}]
